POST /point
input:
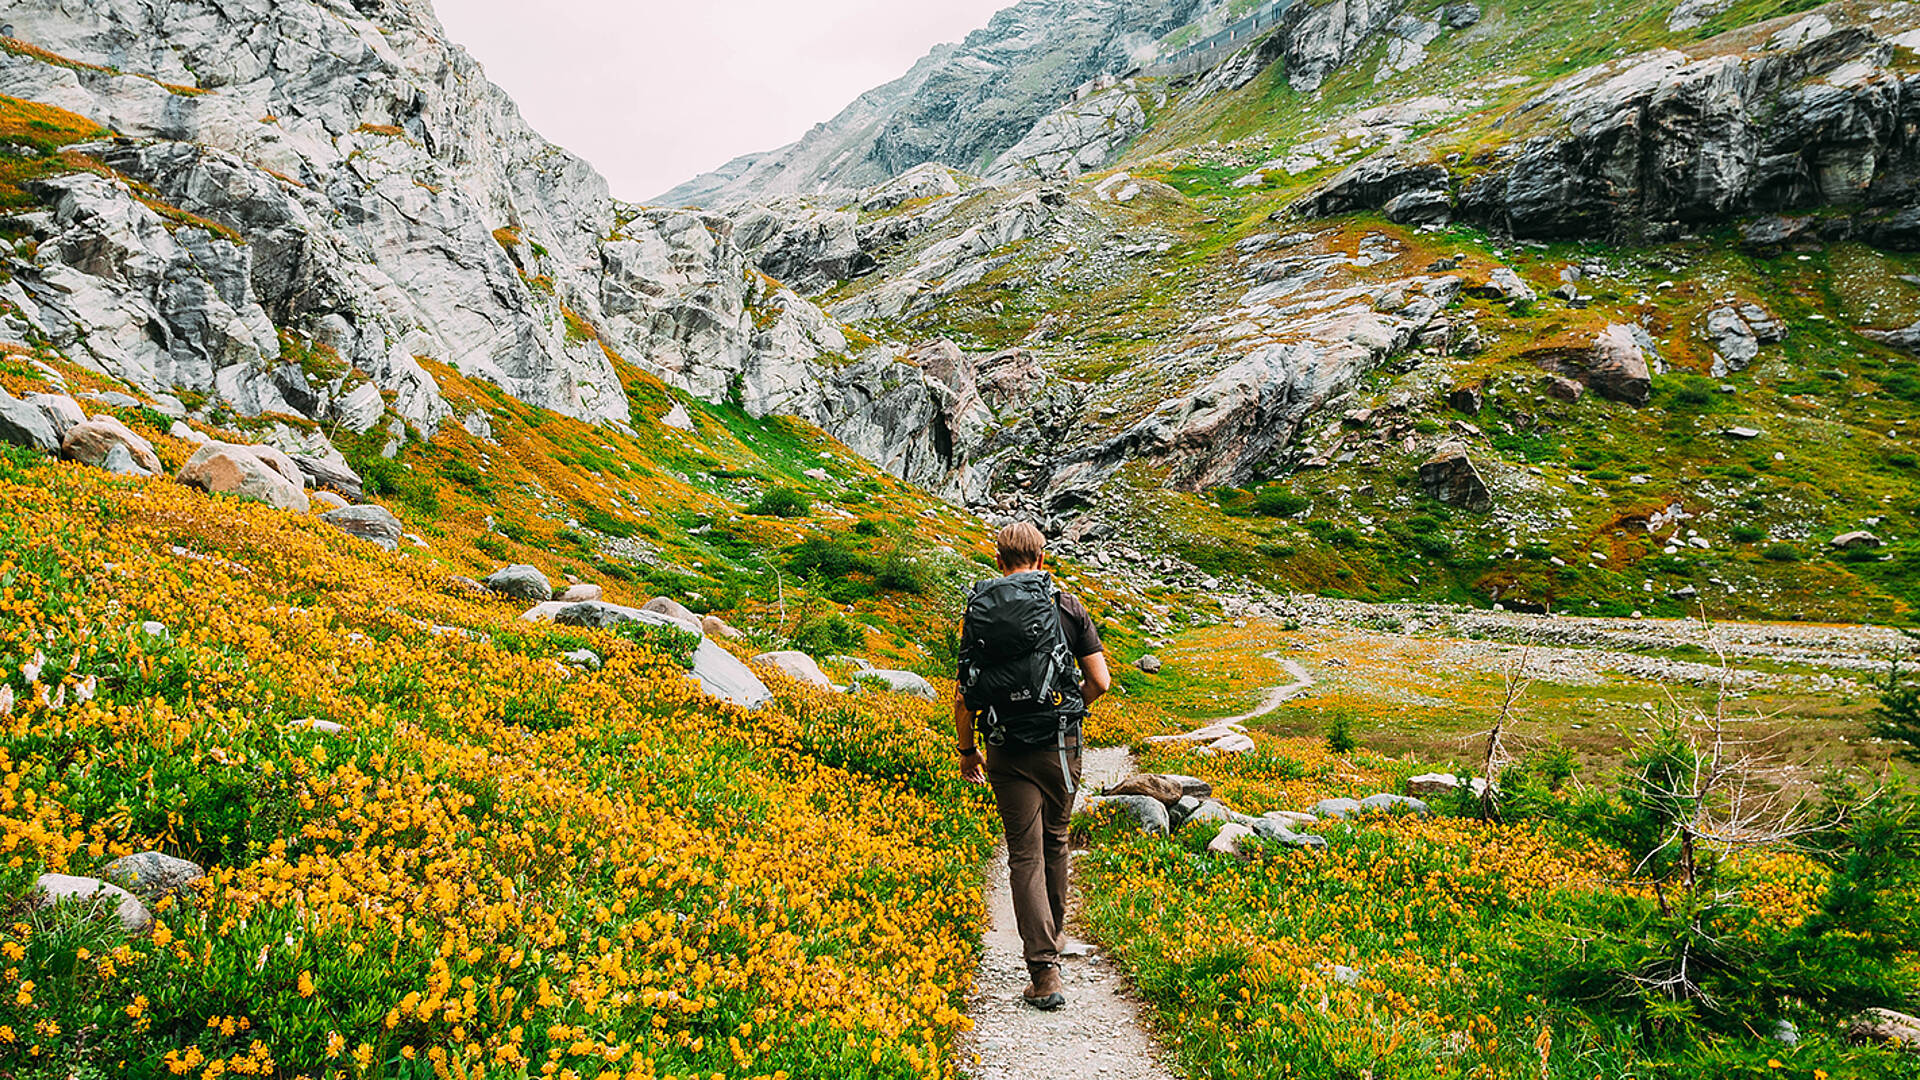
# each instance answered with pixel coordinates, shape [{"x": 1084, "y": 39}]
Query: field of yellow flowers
[
  {"x": 506, "y": 866},
  {"x": 1448, "y": 946}
]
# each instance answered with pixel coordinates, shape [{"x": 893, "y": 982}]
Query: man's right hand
[{"x": 973, "y": 768}]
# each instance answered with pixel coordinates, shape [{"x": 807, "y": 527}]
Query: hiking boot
[{"x": 1046, "y": 991}]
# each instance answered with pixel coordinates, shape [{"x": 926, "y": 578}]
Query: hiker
[{"x": 1020, "y": 695}]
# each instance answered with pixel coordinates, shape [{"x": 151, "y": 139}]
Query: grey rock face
[
  {"x": 1078, "y": 137},
  {"x": 1449, "y": 476},
  {"x": 151, "y": 875},
  {"x": 1812, "y": 119},
  {"x": 374, "y": 524},
  {"x": 23, "y": 424},
  {"x": 61, "y": 411},
  {"x": 1388, "y": 802},
  {"x": 521, "y": 582}
]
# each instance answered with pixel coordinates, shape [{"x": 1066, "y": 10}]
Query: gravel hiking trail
[{"x": 1099, "y": 1034}]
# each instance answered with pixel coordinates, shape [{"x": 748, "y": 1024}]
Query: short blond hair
[{"x": 1019, "y": 544}]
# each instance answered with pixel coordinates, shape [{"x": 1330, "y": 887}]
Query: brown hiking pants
[{"x": 1036, "y": 804}]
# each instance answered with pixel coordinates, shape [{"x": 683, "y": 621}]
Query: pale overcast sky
[{"x": 653, "y": 92}]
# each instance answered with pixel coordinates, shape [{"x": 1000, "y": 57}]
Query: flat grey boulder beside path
[{"x": 97, "y": 895}]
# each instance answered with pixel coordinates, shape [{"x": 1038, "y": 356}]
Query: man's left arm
[{"x": 1096, "y": 680}]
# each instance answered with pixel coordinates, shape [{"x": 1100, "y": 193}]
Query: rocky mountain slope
[
  {"x": 961, "y": 106},
  {"x": 1400, "y": 300}
]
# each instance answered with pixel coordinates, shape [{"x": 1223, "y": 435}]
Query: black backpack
[{"x": 1016, "y": 669}]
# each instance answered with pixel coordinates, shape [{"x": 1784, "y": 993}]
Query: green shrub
[
  {"x": 1340, "y": 738},
  {"x": 1782, "y": 553},
  {"x": 782, "y": 502},
  {"x": 1747, "y": 534},
  {"x": 1279, "y": 502},
  {"x": 902, "y": 571},
  {"x": 827, "y": 634},
  {"x": 866, "y": 527},
  {"x": 827, "y": 558}
]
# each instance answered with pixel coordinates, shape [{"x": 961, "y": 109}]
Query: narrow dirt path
[
  {"x": 1098, "y": 1036},
  {"x": 1273, "y": 699}
]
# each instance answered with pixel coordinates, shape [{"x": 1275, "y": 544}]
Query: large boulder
[
  {"x": 1450, "y": 477},
  {"x": 95, "y": 895},
  {"x": 902, "y": 682},
  {"x": 1164, "y": 788},
  {"x": 61, "y": 411},
  {"x": 23, "y": 424},
  {"x": 715, "y": 626},
  {"x": 798, "y": 665},
  {"x": 1618, "y": 370},
  {"x": 719, "y": 672},
  {"x": 522, "y": 582},
  {"x": 675, "y": 610},
  {"x": 322, "y": 474},
  {"x": 152, "y": 875},
  {"x": 229, "y": 469},
  {"x": 580, "y": 593},
  {"x": 95, "y": 442},
  {"x": 373, "y": 524},
  {"x": 1227, "y": 840},
  {"x": 1886, "y": 1027},
  {"x": 1149, "y": 813}
]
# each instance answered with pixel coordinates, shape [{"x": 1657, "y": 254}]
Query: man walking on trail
[{"x": 1021, "y": 699}]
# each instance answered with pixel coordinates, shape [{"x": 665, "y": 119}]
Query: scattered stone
[
  {"x": 1431, "y": 784},
  {"x": 1149, "y": 664},
  {"x": 51, "y": 889},
  {"x": 1387, "y": 802},
  {"x": 151, "y": 875},
  {"x": 579, "y": 594},
  {"x": 1345, "y": 975},
  {"x": 1227, "y": 840},
  {"x": 1209, "y": 810},
  {"x": 318, "y": 726},
  {"x": 902, "y": 682},
  {"x": 1618, "y": 371},
  {"x": 1505, "y": 285},
  {"x": 520, "y": 581},
  {"x": 715, "y": 626},
  {"x": 1271, "y": 829},
  {"x": 820, "y": 476},
  {"x": 677, "y": 417},
  {"x": 373, "y": 524},
  {"x": 585, "y": 658},
  {"x": 1336, "y": 808},
  {"x": 1148, "y": 812},
  {"x": 241, "y": 471},
  {"x": 1786, "y": 1033},
  {"x": 89, "y": 444},
  {"x": 1450, "y": 477},
  {"x": 24, "y": 424},
  {"x": 325, "y": 501},
  {"x": 1561, "y": 388},
  {"x": 1236, "y": 743},
  {"x": 1183, "y": 809},
  {"x": 1166, "y": 789},
  {"x": 1887, "y": 1027},
  {"x": 1469, "y": 399},
  {"x": 1428, "y": 206},
  {"x": 1742, "y": 433},
  {"x": 1291, "y": 819},
  {"x": 1854, "y": 541},
  {"x": 1191, "y": 785},
  {"x": 798, "y": 665}
]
